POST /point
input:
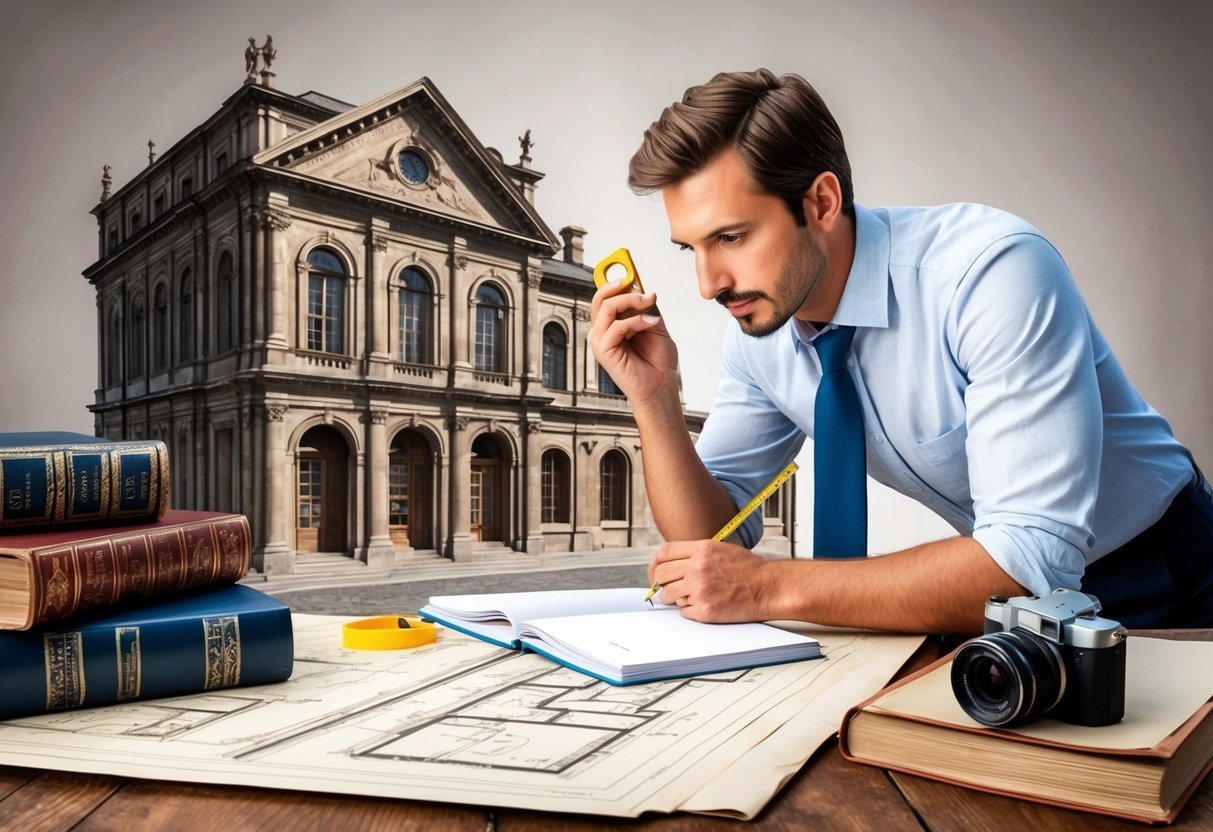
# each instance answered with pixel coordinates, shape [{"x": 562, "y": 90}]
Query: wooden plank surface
[
  {"x": 54, "y": 800},
  {"x": 152, "y": 805}
]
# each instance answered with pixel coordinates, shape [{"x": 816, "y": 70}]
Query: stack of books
[{"x": 108, "y": 596}]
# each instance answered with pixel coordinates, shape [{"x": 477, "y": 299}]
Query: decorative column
[
  {"x": 277, "y": 281},
  {"x": 379, "y": 552},
  {"x": 377, "y": 294},
  {"x": 459, "y": 544},
  {"x": 531, "y": 330},
  {"x": 534, "y": 488},
  {"x": 275, "y": 557},
  {"x": 458, "y": 300}
]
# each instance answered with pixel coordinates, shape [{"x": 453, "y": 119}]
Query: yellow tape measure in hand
[
  {"x": 745, "y": 512},
  {"x": 387, "y": 632},
  {"x": 619, "y": 257}
]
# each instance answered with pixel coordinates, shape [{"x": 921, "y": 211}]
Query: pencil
[{"x": 745, "y": 512}]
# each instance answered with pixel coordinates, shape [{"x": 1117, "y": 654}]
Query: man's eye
[
  {"x": 684, "y": 247},
  {"x": 730, "y": 239}
]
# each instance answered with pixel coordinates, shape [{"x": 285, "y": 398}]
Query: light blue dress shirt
[{"x": 988, "y": 395}]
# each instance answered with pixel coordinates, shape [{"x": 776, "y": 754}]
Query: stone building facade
[{"x": 350, "y": 324}]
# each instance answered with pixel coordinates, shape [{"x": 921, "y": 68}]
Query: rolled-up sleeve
[{"x": 1020, "y": 334}]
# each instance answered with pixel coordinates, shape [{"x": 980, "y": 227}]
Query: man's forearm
[
  {"x": 938, "y": 587},
  {"x": 687, "y": 502}
]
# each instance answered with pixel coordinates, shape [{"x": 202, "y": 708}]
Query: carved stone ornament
[
  {"x": 414, "y": 420},
  {"x": 534, "y": 427},
  {"x": 378, "y": 417},
  {"x": 494, "y": 426},
  {"x": 379, "y": 243},
  {"x": 275, "y": 412},
  {"x": 458, "y": 422},
  {"x": 275, "y": 220},
  {"x": 460, "y": 261},
  {"x": 534, "y": 277},
  {"x": 580, "y": 313}
]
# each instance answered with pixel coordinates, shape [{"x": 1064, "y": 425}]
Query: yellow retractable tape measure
[
  {"x": 620, "y": 256},
  {"x": 387, "y": 632},
  {"x": 740, "y": 517}
]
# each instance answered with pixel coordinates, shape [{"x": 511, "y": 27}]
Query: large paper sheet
[{"x": 463, "y": 721}]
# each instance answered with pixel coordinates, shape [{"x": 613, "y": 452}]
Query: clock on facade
[{"x": 413, "y": 167}]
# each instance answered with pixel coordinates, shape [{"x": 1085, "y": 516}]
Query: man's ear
[{"x": 823, "y": 202}]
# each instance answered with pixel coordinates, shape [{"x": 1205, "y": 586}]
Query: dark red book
[{"x": 59, "y": 574}]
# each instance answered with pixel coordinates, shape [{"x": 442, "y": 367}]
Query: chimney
[{"x": 574, "y": 244}]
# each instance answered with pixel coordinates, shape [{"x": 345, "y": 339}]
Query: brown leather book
[
  {"x": 53, "y": 575},
  {"x": 1144, "y": 768}
]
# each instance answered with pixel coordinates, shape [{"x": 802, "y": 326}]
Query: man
[{"x": 986, "y": 391}]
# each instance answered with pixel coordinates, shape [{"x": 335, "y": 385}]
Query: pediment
[{"x": 360, "y": 148}]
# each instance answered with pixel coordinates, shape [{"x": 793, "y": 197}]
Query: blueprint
[{"x": 464, "y": 721}]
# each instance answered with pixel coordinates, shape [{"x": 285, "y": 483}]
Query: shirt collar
[{"x": 865, "y": 298}]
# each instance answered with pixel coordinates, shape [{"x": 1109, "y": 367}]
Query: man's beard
[{"x": 799, "y": 280}]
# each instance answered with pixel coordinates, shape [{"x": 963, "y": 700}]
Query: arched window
[
  {"x": 489, "y": 353},
  {"x": 555, "y": 487},
  {"x": 135, "y": 338},
  {"x": 160, "y": 342},
  {"x": 555, "y": 352},
  {"x": 113, "y": 350},
  {"x": 325, "y": 301},
  {"x": 614, "y": 486},
  {"x": 414, "y": 301},
  {"x": 606, "y": 384},
  {"x": 185, "y": 305},
  {"x": 225, "y": 310}
]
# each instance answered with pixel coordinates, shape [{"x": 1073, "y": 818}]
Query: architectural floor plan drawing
[{"x": 463, "y": 721}]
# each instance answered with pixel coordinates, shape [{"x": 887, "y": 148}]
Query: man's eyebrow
[{"x": 727, "y": 228}]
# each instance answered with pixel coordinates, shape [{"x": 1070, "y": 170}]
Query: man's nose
[{"x": 713, "y": 277}]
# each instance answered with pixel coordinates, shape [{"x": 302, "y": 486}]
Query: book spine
[
  {"x": 103, "y": 665},
  {"x": 127, "y": 568},
  {"x": 89, "y": 483}
]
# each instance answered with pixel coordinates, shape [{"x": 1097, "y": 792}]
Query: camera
[{"x": 1043, "y": 655}]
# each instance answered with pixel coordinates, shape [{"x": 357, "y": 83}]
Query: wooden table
[{"x": 827, "y": 794}]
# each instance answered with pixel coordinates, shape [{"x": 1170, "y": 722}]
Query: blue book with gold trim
[
  {"x": 221, "y": 638},
  {"x": 55, "y": 478}
]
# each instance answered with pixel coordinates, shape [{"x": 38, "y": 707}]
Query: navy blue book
[
  {"x": 56, "y": 478},
  {"x": 220, "y": 638}
]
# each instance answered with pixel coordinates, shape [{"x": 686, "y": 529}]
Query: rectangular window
[
  {"x": 398, "y": 494},
  {"x": 412, "y": 328},
  {"x": 158, "y": 205},
  {"x": 324, "y": 311},
  {"x": 311, "y": 475}
]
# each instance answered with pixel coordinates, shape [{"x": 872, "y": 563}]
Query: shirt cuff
[{"x": 1037, "y": 559}]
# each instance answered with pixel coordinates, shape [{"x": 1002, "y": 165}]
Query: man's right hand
[{"x": 632, "y": 343}]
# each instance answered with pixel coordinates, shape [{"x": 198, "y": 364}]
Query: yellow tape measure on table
[{"x": 387, "y": 632}]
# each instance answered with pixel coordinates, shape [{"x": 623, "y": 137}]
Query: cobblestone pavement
[{"x": 380, "y": 599}]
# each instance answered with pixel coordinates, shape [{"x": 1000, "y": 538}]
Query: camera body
[{"x": 1050, "y": 654}]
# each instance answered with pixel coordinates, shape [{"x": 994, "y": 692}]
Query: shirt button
[
  {"x": 878, "y": 439},
  {"x": 850, "y": 362}
]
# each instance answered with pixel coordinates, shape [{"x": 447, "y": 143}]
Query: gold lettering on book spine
[
  {"x": 109, "y": 465},
  {"x": 130, "y": 662},
  {"x": 64, "y": 656},
  {"x": 221, "y": 636},
  {"x": 58, "y": 504},
  {"x": 58, "y": 588}
]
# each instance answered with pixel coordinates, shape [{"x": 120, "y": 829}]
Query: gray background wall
[{"x": 1089, "y": 118}]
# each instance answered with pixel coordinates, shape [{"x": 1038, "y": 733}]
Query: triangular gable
[{"x": 359, "y": 149}]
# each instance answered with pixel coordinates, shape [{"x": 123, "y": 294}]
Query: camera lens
[{"x": 1003, "y": 679}]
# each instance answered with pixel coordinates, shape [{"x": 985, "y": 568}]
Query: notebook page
[
  {"x": 626, "y": 644},
  {"x": 523, "y": 606}
]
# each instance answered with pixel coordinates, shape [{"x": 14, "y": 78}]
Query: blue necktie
[{"x": 840, "y": 498}]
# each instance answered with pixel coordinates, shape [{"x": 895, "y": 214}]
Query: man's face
[{"x": 750, "y": 255}]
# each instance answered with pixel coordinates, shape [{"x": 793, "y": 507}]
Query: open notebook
[{"x": 613, "y": 635}]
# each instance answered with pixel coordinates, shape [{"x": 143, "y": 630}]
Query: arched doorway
[
  {"x": 410, "y": 491},
  {"x": 488, "y": 498},
  {"x": 322, "y": 491}
]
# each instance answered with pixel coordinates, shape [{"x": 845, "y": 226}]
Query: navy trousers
[{"x": 1162, "y": 578}]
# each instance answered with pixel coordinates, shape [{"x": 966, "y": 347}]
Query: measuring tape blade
[{"x": 740, "y": 517}]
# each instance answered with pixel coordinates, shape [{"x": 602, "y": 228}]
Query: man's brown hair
[{"x": 780, "y": 126}]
